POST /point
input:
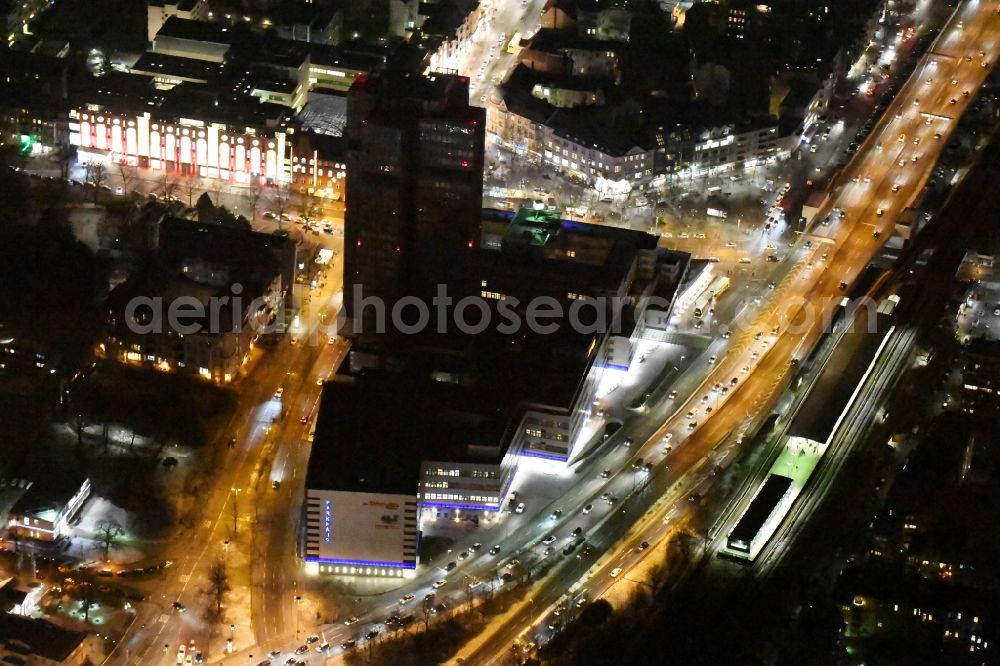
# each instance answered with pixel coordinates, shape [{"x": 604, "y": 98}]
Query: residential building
[
  {"x": 235, "y": 280},
  {"x": 318, "y": 164}
]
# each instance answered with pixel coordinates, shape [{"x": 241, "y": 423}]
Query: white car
[
  {"x": 616, "y": 572},
  {"x": 438, "y": 585}
]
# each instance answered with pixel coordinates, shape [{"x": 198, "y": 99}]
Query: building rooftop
[
  {"x": 405, "y": 95},
  {"x": 762, "y": 505},
  {"x": 324, "y": 113},
  {"x": 49, "y": 494},
  {"x": 34, "y": 636},
  {"x": 373, "y": 430},
  {"x": 248, "y": 255},
  {"x": 153, "y": 63},
  {"x": 197, "y": 31}
]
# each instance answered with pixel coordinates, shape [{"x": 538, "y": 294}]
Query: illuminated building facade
[
  {"x": 182, "y": 146},
  {"x": 44, "y": 511}
]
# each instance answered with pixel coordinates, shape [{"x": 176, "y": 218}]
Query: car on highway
[
  {"x": 689, "y": 415},
  {"x": 519, "y": 508},
  {"x": 475, "y": 547},
  {"x": 608, "y": 497},
  {"x": 494, "y": 550},
  {"x": 372, "y": 634},
  {"x": 405, "y": 599},
  {"x": 278, "y": 393},
  {"x": 555, "y": 515},
  {"x": 323, "y": 647},
  {"x": 275, "y": 484},
  {"x": 348, "y": 644},
  {"x": 450, "y": 566},
  {"x": 637, "y": 464},
  {"x": 439, "y": 584},
  {"x": 642, "y": 546},
  {"x": 616, "y": 572},
  {"x": 312, "y": 639},
  {"x": 605, "y": 473},
  {"x": 302, "y": 649},
  {"x": 179, "y": 607},
  {"x": 464, "y": 555},
  {"x": 692, "y": 425},
  {"x": 587, "y": 509},
  {"x": 351, "y": 620},
  {"x": 549, "y": 539}
]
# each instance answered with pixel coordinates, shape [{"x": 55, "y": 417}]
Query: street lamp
[{"x": 297, "y": 600}]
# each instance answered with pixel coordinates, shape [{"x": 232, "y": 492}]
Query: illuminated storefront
[{"x": 185, "y": 147}]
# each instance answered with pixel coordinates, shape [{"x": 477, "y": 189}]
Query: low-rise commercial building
[
  {"x": 37, "y": 642},
  {"x": 44, "y": 511}
]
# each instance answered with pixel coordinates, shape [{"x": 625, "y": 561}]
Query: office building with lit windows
[{"x": 415, "y": 148}]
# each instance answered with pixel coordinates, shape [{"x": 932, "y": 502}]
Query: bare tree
[
  {"x": 108, "y": 532},
  {"x": 64, "y": 156},
  {"x": 79, "y": 423},
  {"x": 190, "y": 187},
  {"x": 167, "y": 185},
  {"x": 218, "y": 582},
  {"x": 253, "y": 196},
  {"x": 281, "y": 201},
  {"x": 97, "y": 175},
  {"x": 426, "y": 611},
  {"x": 86, "y": 601},
  {"x": 310, "y": 211},
  {"x": 129, "y": 174}
]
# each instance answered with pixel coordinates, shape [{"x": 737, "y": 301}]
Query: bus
[{"x": 514, "y": 43}]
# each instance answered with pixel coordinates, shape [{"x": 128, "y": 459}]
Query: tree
[
  {"x": 64, "y": 157},
  {"x": 108, "y": 533},
  {"x": 207, "y": 212},
  {"x": 190, "y": 187},
  {"x": 218, "y": 582},
  {"x": 310, "y": 211},
  {"x": 253, "y": 196},
  {"x": 426, "y": 612},
  {"x": 167, "y": 185},
  {"x": 129, "y": 174},
  {"x": 280, "y": 201},
  {"x": 97, "y": 175}
]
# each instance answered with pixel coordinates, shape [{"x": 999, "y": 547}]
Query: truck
[{"x": 708, "y": 297}]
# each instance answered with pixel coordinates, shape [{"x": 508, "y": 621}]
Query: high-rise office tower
[{"x": 414, "y": 184}]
